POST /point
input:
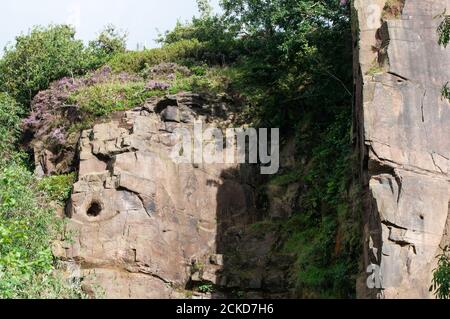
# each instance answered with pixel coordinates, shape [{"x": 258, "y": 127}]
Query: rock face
[
  {"x": 143, "y": 226},
  {"x": 402, "y": 134}
]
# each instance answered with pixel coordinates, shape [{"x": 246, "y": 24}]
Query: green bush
[
  {"x": 108, "y": 43},
  {"x": 137, "y": 61},
  {"x": 27, "y": 225},
  {"x": 40, "y": 57},
  {"x": 104, "y": 98},
  {"x": 206, "y": 288},
  {"x": 444, "y": 29},
  {"x": 50, "y": 53},
  {"x": 441, "y": 275},
  {"x": 286, "y": 179},
  {"x": 10, "y": 112},
  {"x": 445, "y": 91},
  {"x": 193, "y": 83},
  {"x": 27, "y": 229},
  {"x": 219, "y": 41},
  {"x": 58, "y": 187}
]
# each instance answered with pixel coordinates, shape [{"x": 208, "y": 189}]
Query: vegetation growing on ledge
[
  {"x": 58, "y": 187},
  {"x": 104, "y": 98}
]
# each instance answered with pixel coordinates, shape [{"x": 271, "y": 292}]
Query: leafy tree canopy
[{"x": 49, "y": 53}]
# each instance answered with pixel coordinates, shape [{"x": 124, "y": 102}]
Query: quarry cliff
[
  {"x": 359, "y": 215},
  {"x": 402, "y": 127}
]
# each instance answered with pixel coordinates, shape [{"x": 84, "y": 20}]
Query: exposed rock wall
[
  {"x": 402, "y": 130},
  {"x": 141, "y": 225}
]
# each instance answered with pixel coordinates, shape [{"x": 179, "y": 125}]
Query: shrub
[
  {"x": 27, "y": 225},
  {"x": 445, "y": 91},
  {"x": 40, "y": 57},
  {"x": 108, "y": 43},
  {"x": 72, "y": 104},
  {"x": 51, "y": 53},
  {"x": 206, "y": 288},
  {"x": 137, "y": 61},
  {"x": 104, "y": 98},
  {"x": 220, "y": 44},
  {"x": 10, "y": 112},
  {"x": 57, "y": 188},
  {"x": 27, "y": 229},
  {"x": 212, "y": 80},
  {"x": 441, "y": 276}
]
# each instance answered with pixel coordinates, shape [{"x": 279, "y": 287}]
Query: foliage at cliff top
[
  {"x": 48, "y": 54},
  {"x": 70, "y": 105}
]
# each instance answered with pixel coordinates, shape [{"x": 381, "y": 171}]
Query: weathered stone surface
[
  {"x": 119, "y": 284},
  {"x": 138, "y": 217},
  {"x": 403, "y": 125},
  {"x": 171, "y": 114}
]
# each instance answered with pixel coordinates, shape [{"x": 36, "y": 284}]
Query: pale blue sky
[{"x": 141, "y": 18}]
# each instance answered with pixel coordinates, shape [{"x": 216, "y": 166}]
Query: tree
[
  {"x": 47, "y": 54},
  {"x": 109, "y": 42},
  {"x": 205, "y": 8},
  {"x": 217, "y": 38},
  {"x": 38, "y": 58}
]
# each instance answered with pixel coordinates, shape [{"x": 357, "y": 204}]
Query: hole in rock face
[{"x": 94, "y": 209}]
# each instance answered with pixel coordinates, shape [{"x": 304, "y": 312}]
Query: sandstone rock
[
  {"x": 186, "y": 114},
  {"x": 116, "y": 284},
  {"x": 171, "y": 114},
  {"x": 210, "y": 275},
  {"x": 216, "y": 259},
  {"x": 92, "y": 165},
  {"x": 403, "y": 128},
  {"x": 138, "y": 217}
]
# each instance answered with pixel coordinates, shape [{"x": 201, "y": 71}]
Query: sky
[{"x": 142, "y": 19}]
